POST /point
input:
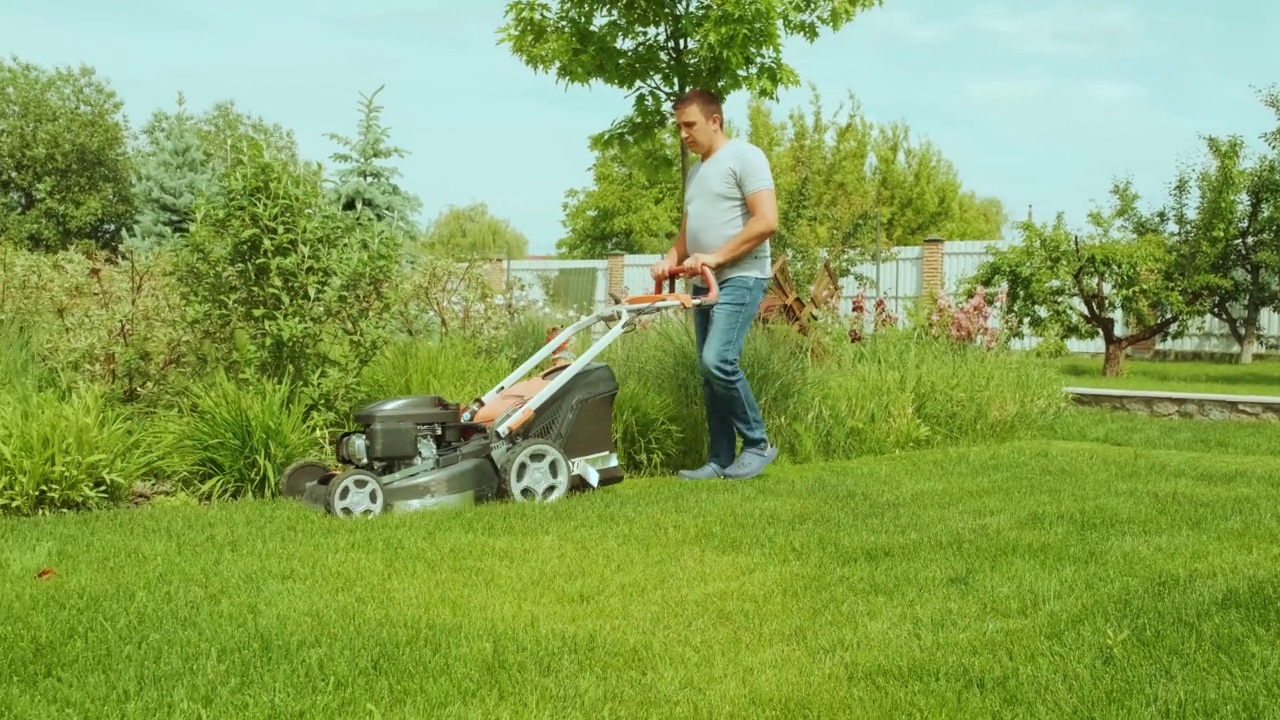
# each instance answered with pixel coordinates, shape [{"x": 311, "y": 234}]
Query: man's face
[{"x": 696, "y": 130}]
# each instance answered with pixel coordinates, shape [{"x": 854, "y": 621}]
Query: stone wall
[{"x": 1187, "y": 405}]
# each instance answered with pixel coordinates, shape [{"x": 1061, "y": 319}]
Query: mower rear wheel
[
  {"x": 296, "y": 477},
  {"x": 536, "y": 470},
  {"x": 355, "y": 492}
]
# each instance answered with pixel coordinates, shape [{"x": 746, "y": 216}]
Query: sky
[{"x": 1038, "y": 103}]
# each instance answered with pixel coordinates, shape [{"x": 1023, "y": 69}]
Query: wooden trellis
[{"x": 783, "y": 304}]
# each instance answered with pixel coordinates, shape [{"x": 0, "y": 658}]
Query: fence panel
[{"x": 582, "y": 285}]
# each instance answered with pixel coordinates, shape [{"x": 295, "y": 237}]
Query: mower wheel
[
  {"x": 355, "y": 492},
  {"x": 536, "y": 470},
  {"x": 296, "y": 477}
]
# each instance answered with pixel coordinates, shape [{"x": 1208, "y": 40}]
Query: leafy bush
[
  {"x": 63, "y": 449},
  {"x": 283, "y": 284},
  {"x": 98, "y": 319},
  {"x": 231, "y": 438}
]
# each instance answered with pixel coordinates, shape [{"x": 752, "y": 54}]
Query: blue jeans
[{"x": 721, "y": 331}]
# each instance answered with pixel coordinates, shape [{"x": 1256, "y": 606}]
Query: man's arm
[{"x": 763, "y": 207}]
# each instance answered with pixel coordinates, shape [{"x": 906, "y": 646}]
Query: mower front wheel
[
  {"x": 296, "y": 477},
  {"x": 536, "y": 470},
  {"x": 355, "y": 492}
]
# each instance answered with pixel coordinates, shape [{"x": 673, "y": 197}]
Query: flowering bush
[
  {"x": 969, "y": 322},
  {"x": 972, "y": 322},
  {"x": 881, "y": 317}
]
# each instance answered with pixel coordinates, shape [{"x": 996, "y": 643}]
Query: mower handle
[{"x": 709, "y": 277}]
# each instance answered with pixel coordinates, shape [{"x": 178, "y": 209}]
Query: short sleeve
[{"x": 753, "y": 170}]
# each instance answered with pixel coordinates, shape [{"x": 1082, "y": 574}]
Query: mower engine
[{"x": 403, "y": 432}]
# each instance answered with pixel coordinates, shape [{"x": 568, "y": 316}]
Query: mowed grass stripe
[{"x": 1038, "y": 578}]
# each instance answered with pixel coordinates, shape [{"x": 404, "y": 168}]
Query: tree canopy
[
  {"x": 66, "y": 171},
  {"x": 472, "y": 232},
  {"x": 656, "y": 50}
]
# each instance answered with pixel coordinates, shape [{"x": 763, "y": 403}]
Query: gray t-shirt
[{"x": 716, "y": 202}]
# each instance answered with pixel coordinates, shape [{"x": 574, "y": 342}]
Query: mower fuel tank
[
  {"x": 411, "y": 409},
  {"x": 392, "y": 440}
]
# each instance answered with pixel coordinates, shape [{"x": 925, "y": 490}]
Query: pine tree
[
  {"x": 172, "y": 174},
  {"x": 364, "y": 183}
]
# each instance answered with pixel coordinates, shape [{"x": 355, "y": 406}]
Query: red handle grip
[{"x": 709, "y": 277}]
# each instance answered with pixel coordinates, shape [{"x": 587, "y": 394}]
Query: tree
[
  {"x": 173, "y": 172},
  {"x": 656, "y": 50},
  {"x": 1234, "y": 226},
  {"x": 632, "y": 204},
  {"x": 365, "y": 184},
  {"x": 224, "y": 132},
  {"x": 472, "y": 232},
  {"x": 1128, "y": 271},
  {"x": 65, "y": 166}
]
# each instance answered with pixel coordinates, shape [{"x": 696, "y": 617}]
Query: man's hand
[
  {"x": 661, "y": 269},
  {"x": 694, "y": 264}
]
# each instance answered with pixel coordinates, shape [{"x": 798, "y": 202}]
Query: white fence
[{"x": 899, "y": 282}]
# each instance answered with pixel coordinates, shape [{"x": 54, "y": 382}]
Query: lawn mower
[{"x": 528, "y": 439}]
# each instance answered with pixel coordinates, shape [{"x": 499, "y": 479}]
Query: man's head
[{"x": 701, "y": 121}]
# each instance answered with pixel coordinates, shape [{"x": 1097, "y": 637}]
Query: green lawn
[
  {"x": 1258, "y": 378},
  {"x": 1080, "y": 575}
]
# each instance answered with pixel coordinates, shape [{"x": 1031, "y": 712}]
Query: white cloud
[
  {"x": 1075, "y": 94},
  {"x": 1060, "y": 30},
  {"x": 1056, "y": 30}
]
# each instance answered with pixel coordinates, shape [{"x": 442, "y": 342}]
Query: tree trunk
[
  {"x": 1249, "y": 338},
  {"x": 1112, "y": 357},
  {"x": 1248, "y": 345}
]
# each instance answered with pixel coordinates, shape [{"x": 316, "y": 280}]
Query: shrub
[
  {"x": 448, "y": 367},
  {"x": 62, "y": 449},
  {"x": 231, "y": 437},
  {"x": 104, "y": 320},
  {"x": 283, "y": 284}
]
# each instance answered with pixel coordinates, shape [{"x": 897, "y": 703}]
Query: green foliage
[
  {"x": 825, "y": 398},
  {"x": 65, "y": 168},
  {"x": 231, "y": 438},
  {"x": 283, "y": 284},
  {"x": 365, "y": 183},
  {"x": 172, "y": 173},
  {"x": 658, "y": 49},
  {"x": 1127, "y": 279},
  {"x": 1229, "y": 211},
  {"x": 843, "y": 183},
  {"x": 471, "y": 233},
  {"x": 224, "y": 131},
  {"x": 633, "y": 202},
  {"x": 99, "y": 320},
  {"x": 62, "y": 449}
]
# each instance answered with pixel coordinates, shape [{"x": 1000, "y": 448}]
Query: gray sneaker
[
  {"x": 750, "y": 463},
  {"x": 706, "y": 472}
]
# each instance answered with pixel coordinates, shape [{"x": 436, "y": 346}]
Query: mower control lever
[{"x": 709, "y": 277}]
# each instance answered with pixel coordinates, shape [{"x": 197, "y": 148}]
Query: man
[{"x": 730, "y": 210}]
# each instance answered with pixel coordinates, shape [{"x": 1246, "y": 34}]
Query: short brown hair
[{"x": 706, "y": 101}]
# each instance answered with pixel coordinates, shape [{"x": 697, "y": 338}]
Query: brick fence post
[
  {"x": 617, "y": 273},
  {"x": 497, "y": 274},
  {"x": 931, "y": 270}
]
